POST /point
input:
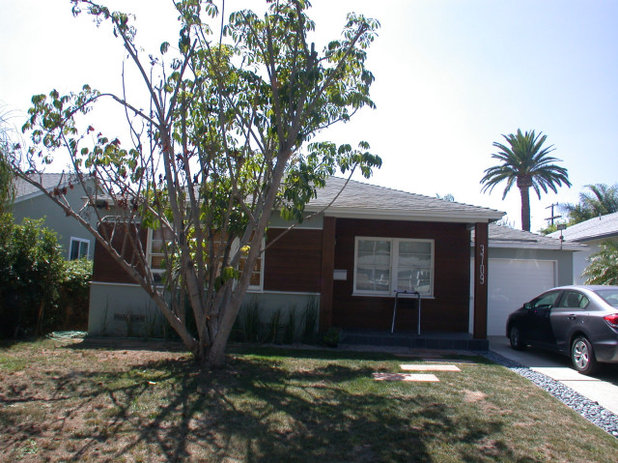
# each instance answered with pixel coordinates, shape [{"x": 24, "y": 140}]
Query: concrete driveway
[{"x": 601, "y": 388}]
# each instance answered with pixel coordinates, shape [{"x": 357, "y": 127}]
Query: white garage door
[{"x": 511, "y": 283}]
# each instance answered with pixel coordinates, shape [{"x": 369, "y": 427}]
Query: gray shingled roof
[
  {"x": 23, "y": 188},
  {"x": 501, "y": 236},
  {"x": 601, "y": 227},
  {"x": 363, "y": 200}
]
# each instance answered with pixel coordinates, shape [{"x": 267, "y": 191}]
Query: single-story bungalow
[{"x": 352, "y": 256}]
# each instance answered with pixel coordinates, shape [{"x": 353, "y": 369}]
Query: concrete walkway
[{"x": 601, "y": 388}]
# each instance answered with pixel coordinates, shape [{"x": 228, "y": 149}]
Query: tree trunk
[
  {"x": 524, "y": 190},
  {"x": 39, "y": 319}
]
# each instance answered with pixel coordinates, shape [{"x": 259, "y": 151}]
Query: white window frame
[
  {"x": 260, "y": 286},
  {"x": 74, "y": 239},
  {"x": 252, "y": 288},
  {"x": 394, "y": 265},
  {"x": 149, "y": 254}
]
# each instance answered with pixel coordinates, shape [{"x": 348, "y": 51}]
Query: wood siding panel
[
  {"x": 481, "y": 252},
  {"x": 106, "y": 269},
  {"x": 328, "y": 262},
  {"x": 294, "y": 262},
  {"x": 447, "y": 311}
]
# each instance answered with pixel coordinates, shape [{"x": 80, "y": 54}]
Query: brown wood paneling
[
  {"x": 106, "y": 268},
  {"x": 447, "y": 311},
  {"x": 328, "y": 265},
  {"x": 294, "y": 261},
  {"x": 480, "y": 280}
]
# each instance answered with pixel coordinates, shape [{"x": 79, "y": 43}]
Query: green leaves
[
  {"x": 525, "y": 162},
  {"x": 222, "y": 140},
  {"x": 603, "y": 266},
  {"x": 525, "y": 157},
  {"x": 310, "y": 172},
  {"x": 601, "y": 199}
]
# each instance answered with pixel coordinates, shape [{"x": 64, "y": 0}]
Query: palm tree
[
  {"x": 602, "y": 200},
  {"x": 527, "y": 163}
]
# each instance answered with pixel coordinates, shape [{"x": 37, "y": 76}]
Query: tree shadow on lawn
[{"x": 257, "y": 411}]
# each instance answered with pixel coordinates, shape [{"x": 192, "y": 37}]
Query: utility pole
[{"x": 551, "y": 219}]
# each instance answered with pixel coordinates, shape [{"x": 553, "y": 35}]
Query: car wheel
[
  {"x": 515, "y": 338},
  {"x": 582, "y": 356}
]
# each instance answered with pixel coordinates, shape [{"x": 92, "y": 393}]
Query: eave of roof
[
  {"x": 501, "y": 236},
  {"x": 602, "y": 227},
  {"x": 26, "y": 191},
  {"x": 366, "y": 201}
]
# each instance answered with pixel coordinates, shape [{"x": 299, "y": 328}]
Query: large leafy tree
[
  {"x": 603, "y": 266},
  {"x": 600, "y": 200},
  {"x": 226, "y": 139},
  {"x": 525, "y": 162},
  {"x": 6, "y": 176}
]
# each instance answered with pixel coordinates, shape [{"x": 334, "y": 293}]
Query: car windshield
[{"x": 609, "y": 295}]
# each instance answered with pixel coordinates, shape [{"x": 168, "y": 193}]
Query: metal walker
[{"x": 418, "y": 298}]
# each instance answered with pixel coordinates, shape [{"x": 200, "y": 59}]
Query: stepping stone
[
  {"x": 414, "y": 367},
  {"x": 425, "y": 378},
  {"x": 455, "y": 361}
]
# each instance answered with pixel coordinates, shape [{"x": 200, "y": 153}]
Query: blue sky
[{"x": 451, "y": 77}]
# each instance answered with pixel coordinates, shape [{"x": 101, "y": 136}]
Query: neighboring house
[
  {"x": 521, "y": 266},
  {"x": 30, "y": 202},
  {"x": 591, "y": 232},
  {"x": 369, "y": 242}
]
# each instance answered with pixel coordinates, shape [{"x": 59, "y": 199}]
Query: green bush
[
  {"x": 74, "y": 293},
  {"x": 36, "y": 283},
  {"x": 603, "y": 265},
  {"x": 331, "y": 337}
]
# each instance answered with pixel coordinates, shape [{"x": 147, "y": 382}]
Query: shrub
[
  {"x": 331, "y": 337},
  {"x": 74, "y": 293},
  {"x": 36, "y": 283},
  {"x": 603, "y": 266}
]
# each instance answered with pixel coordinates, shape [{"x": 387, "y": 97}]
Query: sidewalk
[{"x": 601, "y": 388}]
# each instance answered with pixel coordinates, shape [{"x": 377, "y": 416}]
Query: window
[
  {"x": 156, "y": 252},
  {"x": 157, "y": 257},
  {"x": 383, "y": 265},
  {"x": 78, "y": 248},
  {"x": 573, "y": 300},
  {"x": 545, "y": 301},
  {"x": 609, "y": 295},
  {"x": 256, "y": 282}
]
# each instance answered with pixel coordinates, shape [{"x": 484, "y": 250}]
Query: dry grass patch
[{"x": 78, "y": 402}]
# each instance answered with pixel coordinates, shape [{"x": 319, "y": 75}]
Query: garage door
[{"x": 511, "y": 283}]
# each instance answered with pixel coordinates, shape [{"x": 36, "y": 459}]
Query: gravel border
[{"x": 590, "y": 410}]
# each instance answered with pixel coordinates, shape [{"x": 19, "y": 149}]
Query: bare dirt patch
[{"x": 474, "y": 396}]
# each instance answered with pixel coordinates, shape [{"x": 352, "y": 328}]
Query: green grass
[{"x": 80, "y": 403}]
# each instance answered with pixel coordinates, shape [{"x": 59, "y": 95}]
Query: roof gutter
[{"x": 416, "y": 216}]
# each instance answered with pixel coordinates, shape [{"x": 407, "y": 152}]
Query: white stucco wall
[{"x": 118, "y": 309}]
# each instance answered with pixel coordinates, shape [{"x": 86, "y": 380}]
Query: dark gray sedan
[{"x": 579, "y": 321}]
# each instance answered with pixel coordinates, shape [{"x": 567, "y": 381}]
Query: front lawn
[{"x": 74, "y": 402}]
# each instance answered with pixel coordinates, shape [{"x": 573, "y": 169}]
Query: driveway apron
[{"x": 601, "y": 388}]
